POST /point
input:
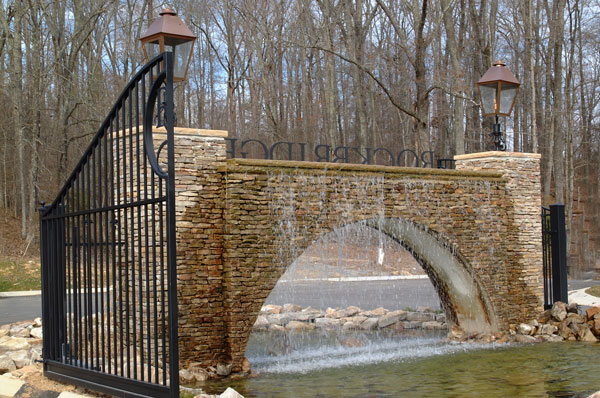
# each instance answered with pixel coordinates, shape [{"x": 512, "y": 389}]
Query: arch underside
[{"x": 464, "y": 301}]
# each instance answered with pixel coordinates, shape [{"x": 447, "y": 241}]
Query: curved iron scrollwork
[{"x": 109, "y": 293}]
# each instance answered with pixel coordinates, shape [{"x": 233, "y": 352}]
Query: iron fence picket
[{"x": 107, "y": 241}]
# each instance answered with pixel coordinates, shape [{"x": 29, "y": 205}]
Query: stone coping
[
  {"x": 192, "y": 132},
  {"x": 498, "y": 154},
  {"x": 262, "y": 166}
]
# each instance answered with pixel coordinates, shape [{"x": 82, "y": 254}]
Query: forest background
[{"x": 398, "y": 74}]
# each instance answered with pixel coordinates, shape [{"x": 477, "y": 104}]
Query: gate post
[{"x": 559, "y": 253}]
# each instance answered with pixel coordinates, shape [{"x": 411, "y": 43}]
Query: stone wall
[{"x": 241, "y": 222}]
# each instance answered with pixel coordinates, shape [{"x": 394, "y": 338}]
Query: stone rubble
[
  {"x": 20, "y": 345},
  {"x": 293, "y": 318},
  {"x": 563, "y": 322}
]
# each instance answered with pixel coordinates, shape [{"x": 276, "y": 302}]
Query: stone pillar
[
  {"x": 200, "y": 196},
  {"x": 524, "y": 230}
]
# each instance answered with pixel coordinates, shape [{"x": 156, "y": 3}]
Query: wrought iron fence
[
  {"x": 554, "y": 240},
  {"x": 109, "y": 301}
]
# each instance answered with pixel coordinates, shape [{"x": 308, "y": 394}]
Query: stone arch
[{"x": 464, "y": 300}]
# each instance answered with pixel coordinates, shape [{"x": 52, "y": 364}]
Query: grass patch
[
  {"x": 18, "y": 275},
  {"x": 593, "y": 291}
]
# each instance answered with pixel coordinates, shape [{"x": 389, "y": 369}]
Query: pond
[{"x": 317, "y": 364}]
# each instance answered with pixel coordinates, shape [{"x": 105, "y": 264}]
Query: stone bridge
[{"x": 476, "y": 231}]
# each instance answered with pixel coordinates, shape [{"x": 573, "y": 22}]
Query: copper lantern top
[
  {"x": 498, "y": 72},
  {"x": 170, "y": 24}
]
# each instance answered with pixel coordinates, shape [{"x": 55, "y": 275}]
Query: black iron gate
[
  {"x": 109, "y": 297},
  {"x": 554, "y": 244}
]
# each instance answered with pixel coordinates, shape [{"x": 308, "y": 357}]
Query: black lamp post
[
  {"x": 169, "y": 33},
  {"x": 498, "y": 88}
]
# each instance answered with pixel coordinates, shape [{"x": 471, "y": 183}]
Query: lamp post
[
  {"x": 498, "y": 88},
  {"x": 169, "y": 33}
]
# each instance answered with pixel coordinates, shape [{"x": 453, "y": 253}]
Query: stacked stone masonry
[{"x": 241, "y": 222}]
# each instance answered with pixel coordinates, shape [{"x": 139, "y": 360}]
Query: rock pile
[
  {"x": 293, "y": 318},
  {"x": 20, "y": 344},
  {"x": 562, "y": 322}
]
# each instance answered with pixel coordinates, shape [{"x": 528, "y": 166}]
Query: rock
[
  {"x": 572, "y": 308},
  {"x": 369, "y": 324},
  {"x": 596, "y": 327},
  {"x": 592, "y": 311},
  {"x": 231, "y": 393},
  {"x": 20, "y": 358},
  {"x": 276, "y": 328},
  {"x": 327, "y": 323},
  {"x": 291, "y": 308},
  {"x": 297, "y": 326},
  {"x": 548, "y": 329},
  {"x": 349, "y": 312},
  {"x": 4, "y": 330},
  {"x": 525, "y": 329},
  {"x": 502, "y": 339},
  {"x": 272, "y": 309},
  {"x": 223, "y": 369},
  {"x": 412, "y": 325},
  {"x": 559, "y": 311},
  {"x": 391, "y": 318},
  {"x": 350, "y": 342},
  {"x": 261, "y": 323},
  {"x": 351, "y": 326},
  {"x": 440, "y": 317},
  {"x": 303, "y": 316},
  {"x": 185, "y": 376},
  {"x": 13, "y": 344},
  {"x": 424, "y": 309},
  {"x": 331, "y": 313},
  {"x": 19, "y": 330},
  {"x": 420, "y": 316},
  {"x": 198, "y": 373},
  {"x": 545, "y": 317},
  {"x": 6, "y": 364},
  {"x": 377, "y": 312},
  {"x": 432, "y": 325},
  {"x": 525, "y": 339},
  {"x": 358, "y": 319},
  {"x": 278, "y": 319},
  {"x": 585, "y": 334},
  {"x": 595, "y": 395},
  {"x": 551, "y": 338},
  {"x": 246, "y": 365},
  {"x": 36, "y": 333},
  {"x": 37, "y": 322},
  {"x": 456, "y": 333}
]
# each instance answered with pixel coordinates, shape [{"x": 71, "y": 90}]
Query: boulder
[
  {"x": 276, "y": 328},
  {"x": 185, "y": 376},
  {"x": 278, "y": 319},
  {"x": 391, "y": 318},
  {"x": 303, "y": 316},
  {"x": 369, "y": 324},
  {"x": 37, "y": 322},
  {"x": 297, "y": 326},
  {"x": 358, "y": 319},
  {"x": 36, "y": 333},
  {"x": 8, "y": 343},
  {"x": 4, "y": 330},
  {"x": 246, "y": 365},
  {"x": 572, "y": 308},
  {"x": 230, "y": 393},
  {"x": 424, "y": 309},
  {"x": 327, "y": 323},
  {"x": 223, "y": 369},
  {"x": 596, "y": 327},
  {"x": 595, "y": 395},
  {"x": 19, "y": 330},
  {"x": 585, "y": 334},
  {"x": 272, "y": 309},
  {"x": 20, "y": 358},
  {"x": 525, "y": 339},
  {"x": 548, "y": 329},
  {"x": 349, "y": 312},
  {"x": 592, "y": 311},
  {"x": 377, "y": 312},
  {"x": 559, "y": 311},
  {"x": 526, "y": 329},
  {"x": 262, "y": 323},
  {"x": 440, "y": 317},
  {"x": 6, "y": 364},
  {"x": 432, "y": 325},
  {"x": 420, "y": 316},
  {"x": 456, "y": 333},
  {"x": 412, "y": 325},
  {"x": 291, "y": 308},
  {"x": 351, "y": 326},
  {"x": 551, "y": 338}
]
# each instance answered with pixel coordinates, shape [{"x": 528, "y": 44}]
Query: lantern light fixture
[
  {"x": 169, "y": 33},
  {"x": 498, "y": 89}
]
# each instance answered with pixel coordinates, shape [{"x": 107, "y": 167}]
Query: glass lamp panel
[
  {"x": 181, "y": 56},
  {"x": 488, "y": 97},
  {"x": 152, "y": 49},
  {"x": 508, "y": 93}
]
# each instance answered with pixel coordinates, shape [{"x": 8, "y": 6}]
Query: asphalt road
[{"x": 392, "y": 295}]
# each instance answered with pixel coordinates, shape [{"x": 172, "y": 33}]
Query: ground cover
[
  {"x": 19, "y": 257},
  {"x": 594, "y": 291}
]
